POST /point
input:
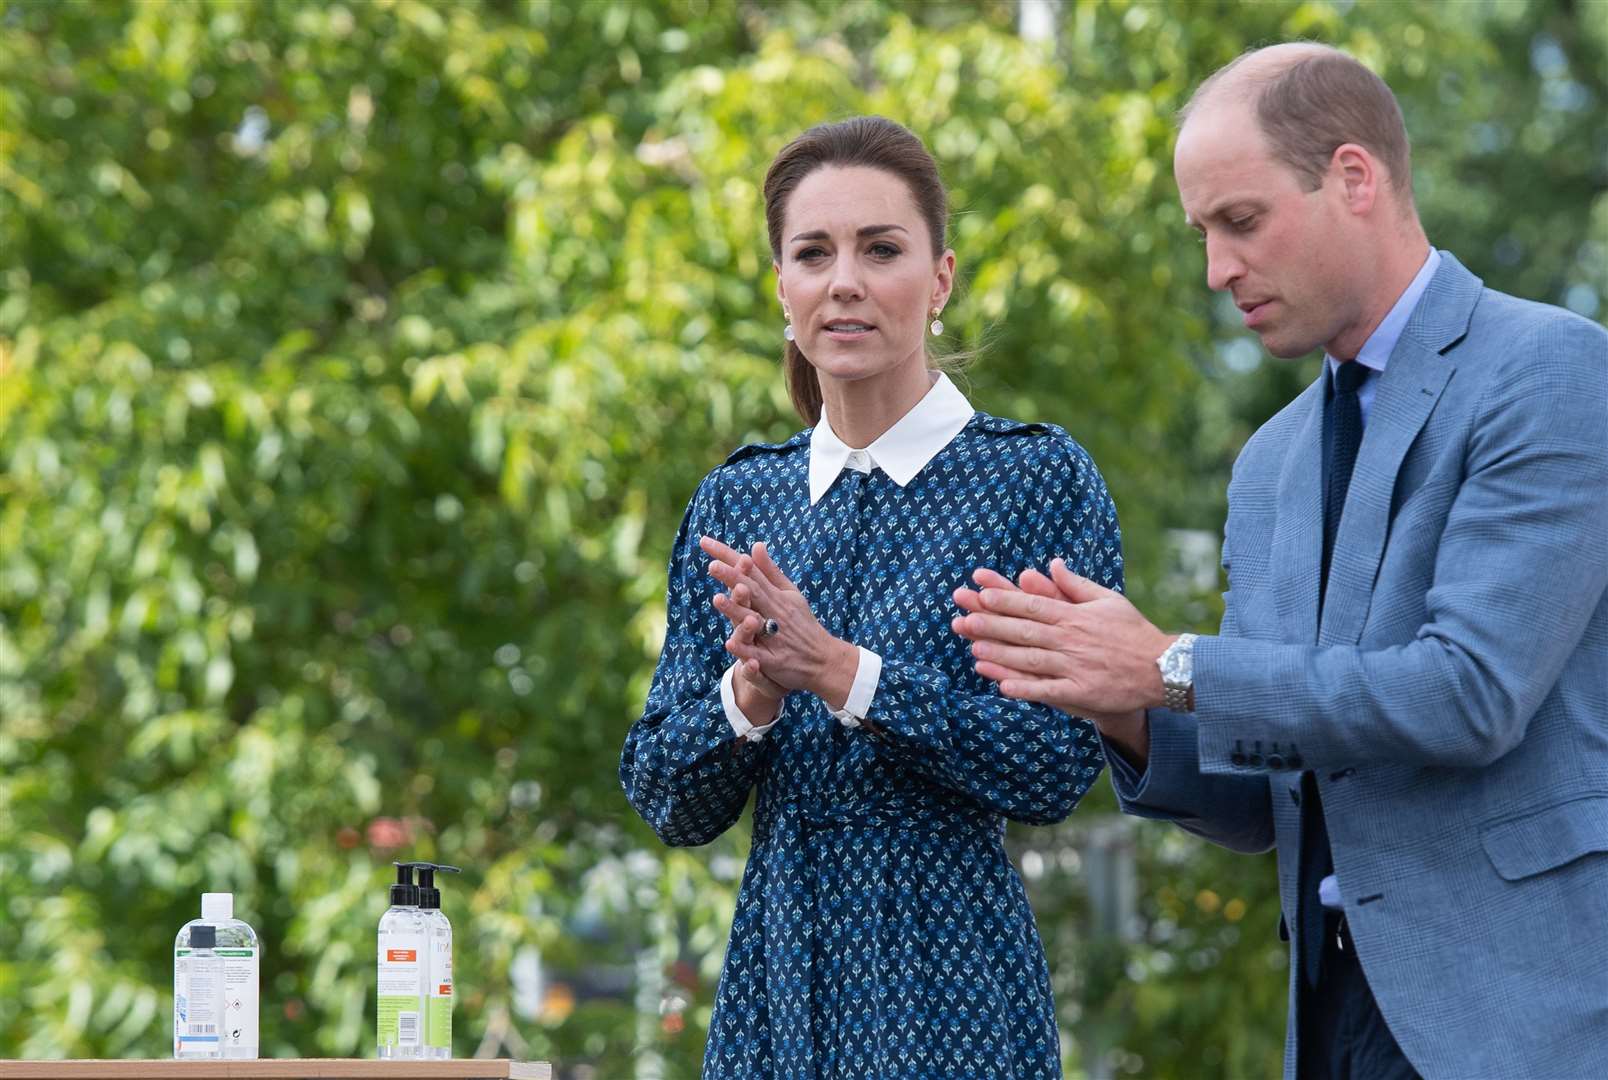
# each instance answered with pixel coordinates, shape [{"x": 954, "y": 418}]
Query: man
[{"x": 1408, "y": 697}]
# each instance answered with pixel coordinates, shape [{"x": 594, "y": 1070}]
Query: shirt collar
[
  {"x": 901, "y": 451},
  {"x": 1375, "y": 352}
]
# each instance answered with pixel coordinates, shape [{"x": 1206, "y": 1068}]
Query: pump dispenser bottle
[
  {"x": 215, "y": 975},
  {"x": 438, "y": 984},
  {"x": 403, "y": 962}
]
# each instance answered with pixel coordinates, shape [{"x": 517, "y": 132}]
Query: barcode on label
[
  {"x": 203, "y": 1029},
  {"x": 407, "y": 1028}
]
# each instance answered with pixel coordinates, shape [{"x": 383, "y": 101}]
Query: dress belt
[{"x": 927, "y": 819}]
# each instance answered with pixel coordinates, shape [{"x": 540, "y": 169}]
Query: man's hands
[
  {"x": 1064, "y": 641},
  {"x": 801, "y": 655}
]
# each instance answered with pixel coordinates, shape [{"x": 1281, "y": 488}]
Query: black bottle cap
[
  {"x": 203, "y": 937},
  {"x": 429, "y": 895},
  {"x": 404, "y": 893}
]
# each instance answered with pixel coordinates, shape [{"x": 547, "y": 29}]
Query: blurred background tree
[{"x": 356, "y": 363}]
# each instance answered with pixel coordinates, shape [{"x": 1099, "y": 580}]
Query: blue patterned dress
[{"x": 880, "y": 930}]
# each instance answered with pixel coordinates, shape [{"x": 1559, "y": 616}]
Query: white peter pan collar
[{"x": 902, "y": 450}]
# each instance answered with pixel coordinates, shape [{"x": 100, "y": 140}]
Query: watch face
[{"x": 1177, "y": 665}]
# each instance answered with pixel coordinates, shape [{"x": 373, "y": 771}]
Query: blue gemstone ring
[{"x": 771, "y": 626}]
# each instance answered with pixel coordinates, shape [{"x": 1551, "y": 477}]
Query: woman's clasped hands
[{"x": 779, "y": 644}]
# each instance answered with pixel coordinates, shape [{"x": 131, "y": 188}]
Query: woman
[{"x": 880, "y": 930}]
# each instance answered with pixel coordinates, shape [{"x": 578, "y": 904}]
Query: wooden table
[{"x": 281, "y": 1068}]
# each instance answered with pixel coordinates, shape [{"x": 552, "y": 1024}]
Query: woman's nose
[{"x": 847, "y": 284}]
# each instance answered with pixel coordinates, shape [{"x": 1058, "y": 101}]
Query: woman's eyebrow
[{"x": 862, "y": 232}]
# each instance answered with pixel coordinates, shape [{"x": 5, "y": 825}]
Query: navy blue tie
[
  {"x": 1342, "y": 425},
  {"x": 1342, "y": 436}
]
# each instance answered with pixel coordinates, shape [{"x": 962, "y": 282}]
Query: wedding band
[{"x": 771, "y": 626}]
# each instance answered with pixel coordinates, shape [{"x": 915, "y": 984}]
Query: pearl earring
[
  {"x": 787, "y": 331},
  {"x": 937, "y": 323}
]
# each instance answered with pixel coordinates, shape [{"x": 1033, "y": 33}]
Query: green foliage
[{"x": 356, "y": 363}]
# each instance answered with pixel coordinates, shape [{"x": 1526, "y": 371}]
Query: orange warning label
[{"x": 402, "y": 956}]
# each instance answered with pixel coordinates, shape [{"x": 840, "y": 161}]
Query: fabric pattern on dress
[{"x": 880, "y": 929}]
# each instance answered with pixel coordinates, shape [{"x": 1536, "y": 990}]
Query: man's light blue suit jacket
[{"x": 1453, "y": 699}]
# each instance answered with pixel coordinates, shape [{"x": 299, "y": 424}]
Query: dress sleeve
[
  {"x": 683, "y": 767},
  {"x": 1029, "y": 762}
]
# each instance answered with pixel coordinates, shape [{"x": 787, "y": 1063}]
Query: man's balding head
[
  {"x": 1292, "y": 164},
  {"x": 1309, "y": 99}
]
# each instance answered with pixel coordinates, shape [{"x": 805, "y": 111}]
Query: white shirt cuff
[
  {"x": 740, "y": 724},
  {"x": 861, "y": 691}
]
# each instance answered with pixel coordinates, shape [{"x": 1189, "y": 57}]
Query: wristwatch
[{"x": 1177, "y": 666}]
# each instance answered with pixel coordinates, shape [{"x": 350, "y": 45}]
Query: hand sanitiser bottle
[
  {"x": 216, "y": 961},
  {"x": 438, "y": 984},
  {"x": 403, "y": 959}
]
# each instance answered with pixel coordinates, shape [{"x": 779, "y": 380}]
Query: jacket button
[
  {"x": 1275, "y": 762},
  {"x": 1237, "y": 759}
]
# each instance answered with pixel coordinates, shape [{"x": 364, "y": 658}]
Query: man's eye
[{"x": 1244, "y": 224}]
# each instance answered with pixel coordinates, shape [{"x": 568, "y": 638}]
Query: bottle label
[
  {"x": 400, "y": 1018},
  {"x": 238, "y": 1023},
  {"x": 438, "y": 1032},
  {"x": 197, "y": 1000}
]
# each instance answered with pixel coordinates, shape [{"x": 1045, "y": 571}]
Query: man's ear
[{"x": 1360, "y": 176}]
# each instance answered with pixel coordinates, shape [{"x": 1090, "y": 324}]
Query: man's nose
[{"x": 1223, "y": 265}]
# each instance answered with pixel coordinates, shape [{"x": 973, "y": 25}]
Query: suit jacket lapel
[
  {"x": 1297, "y": 556},
  {"x": 1408, "y": 390}
]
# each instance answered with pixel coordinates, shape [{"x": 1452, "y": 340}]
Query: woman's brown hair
[{"x": 871, "y": 141}]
